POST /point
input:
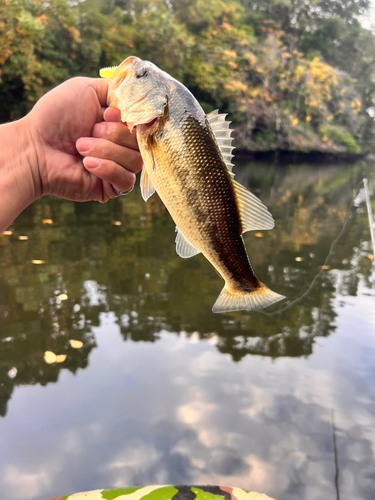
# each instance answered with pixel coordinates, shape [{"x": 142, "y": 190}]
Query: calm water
[{"x": 165, "y": 391}]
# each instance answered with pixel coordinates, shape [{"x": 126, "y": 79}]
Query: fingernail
[
  {"x": 91, "y": 162},
  {"x": 84, "y": 144},
  {"x": 98, "y": 130},
  {"x": 112, "y": 115}
]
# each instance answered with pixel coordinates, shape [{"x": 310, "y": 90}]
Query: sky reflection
[{"x": 178, "y": 411}]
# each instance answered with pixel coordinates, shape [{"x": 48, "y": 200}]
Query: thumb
[{"x": 100, "y": 86}]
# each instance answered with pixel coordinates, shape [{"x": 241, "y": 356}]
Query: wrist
[{"x": 19, "y": 178}]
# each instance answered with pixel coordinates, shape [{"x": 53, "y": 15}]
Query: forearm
[{"x": 18, "y": 162}]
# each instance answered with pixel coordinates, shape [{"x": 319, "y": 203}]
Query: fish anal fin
[
  {"x": 183, "y": 247},
  {"x": 258, "y": 299},
  {"x": 254, "y": 215},
  {"x": 147, "y": 188}
]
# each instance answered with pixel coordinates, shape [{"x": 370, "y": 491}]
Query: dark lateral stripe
[
  {"x": 214, "y": 490},
  {"x": 184, "y": 492}
]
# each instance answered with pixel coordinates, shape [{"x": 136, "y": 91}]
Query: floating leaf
[
  {"x": 75, "y": 344},
  {"x": 49, "y": 357},
  {"x": 299, "y": 259},
  {"x": 371, "y": 257},
  {"x": 258, "y": 235},
  {"x": 60, "y": 358},
  {"x": 36, "y": 261},
  {"x": 47, "y": 221},
  {"x": 62, "y": 296},
  {"x": 117, "y": 223},
  {"x": 7, "y": 233},
  {"x": 23, "y": 238},
  {"x": 324, "y": 267},
  {"x": 12, "y": 372}
]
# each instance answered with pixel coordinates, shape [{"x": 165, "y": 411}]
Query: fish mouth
[
  {"x": 144, "y": 127},
  {"x": 143, "y": 123}
]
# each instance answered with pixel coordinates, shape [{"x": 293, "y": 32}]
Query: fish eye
[{"x": 141, "y": 73}]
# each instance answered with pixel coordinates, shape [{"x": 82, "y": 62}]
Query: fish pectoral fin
[
  {"x": 147, "y": 188},
  {"x": 254, "y": 215},
  {"x": 183, "y": 247}
]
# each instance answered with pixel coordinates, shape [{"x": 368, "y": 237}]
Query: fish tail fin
[{"x": 233, "y": 300}]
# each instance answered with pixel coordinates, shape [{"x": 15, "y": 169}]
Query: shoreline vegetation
[
  {"x": 296, "y": 157},
  {"x": 297, "y": 77}
]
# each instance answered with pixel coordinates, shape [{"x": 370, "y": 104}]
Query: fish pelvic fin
[
  {"x": 183, "y": 247},
  {"x": 232, "y": 300}
]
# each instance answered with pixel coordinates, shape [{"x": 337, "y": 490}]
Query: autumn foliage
[{"x": 261, "y": 62}]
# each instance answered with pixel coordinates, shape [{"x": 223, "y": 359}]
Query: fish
[{"x": 187, "y": 161}]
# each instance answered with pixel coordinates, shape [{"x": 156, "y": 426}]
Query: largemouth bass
[{"x": 187, "y": 161}]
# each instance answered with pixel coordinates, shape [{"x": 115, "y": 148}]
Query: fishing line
[
  {"x": 370, "y": 218},
  {"x": 333, "y": 246}
]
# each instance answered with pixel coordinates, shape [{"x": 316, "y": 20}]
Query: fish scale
[
  {"x": 197, "y": 169},
  {"x": 187, "y": 161}
]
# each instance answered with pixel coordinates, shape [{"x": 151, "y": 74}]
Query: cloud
[{"x": 180, "y": 412}]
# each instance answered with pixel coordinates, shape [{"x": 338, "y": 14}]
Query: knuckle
[
  {"x": 105, "y": 149},
  {"x": 128, "y": 182},
  {"x": 139, "y": 162},
  {"x": 135, "y": 161},
  {"x": 108, "y": 150}
]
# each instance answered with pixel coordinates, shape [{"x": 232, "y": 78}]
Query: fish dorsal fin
[
  {"x": 183, "y": 247},
  {"x": 147, "y": 188},
  {"x": 222, "y": 133},
  {"x": 254, "y": 215}
]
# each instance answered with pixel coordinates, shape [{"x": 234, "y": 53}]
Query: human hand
[{"x": 67, "y": 124}]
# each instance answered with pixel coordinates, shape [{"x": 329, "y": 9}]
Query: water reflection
[
  {"x": 154, "y": 403},
  {"x": 120, "y": 257},
  {"x": 179, "y": 411}
]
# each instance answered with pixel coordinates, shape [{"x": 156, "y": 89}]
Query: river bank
[{"x": 287, "y": 156}]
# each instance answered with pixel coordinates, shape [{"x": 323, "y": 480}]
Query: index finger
[{"x": 115, "y": 132}]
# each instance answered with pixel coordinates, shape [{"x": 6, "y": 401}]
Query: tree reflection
[{"x": 120, "y": 257}]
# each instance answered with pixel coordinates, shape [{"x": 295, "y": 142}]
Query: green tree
[
  {"x": 295, "y": 74},
  {"x": 37, "y": 43}
]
